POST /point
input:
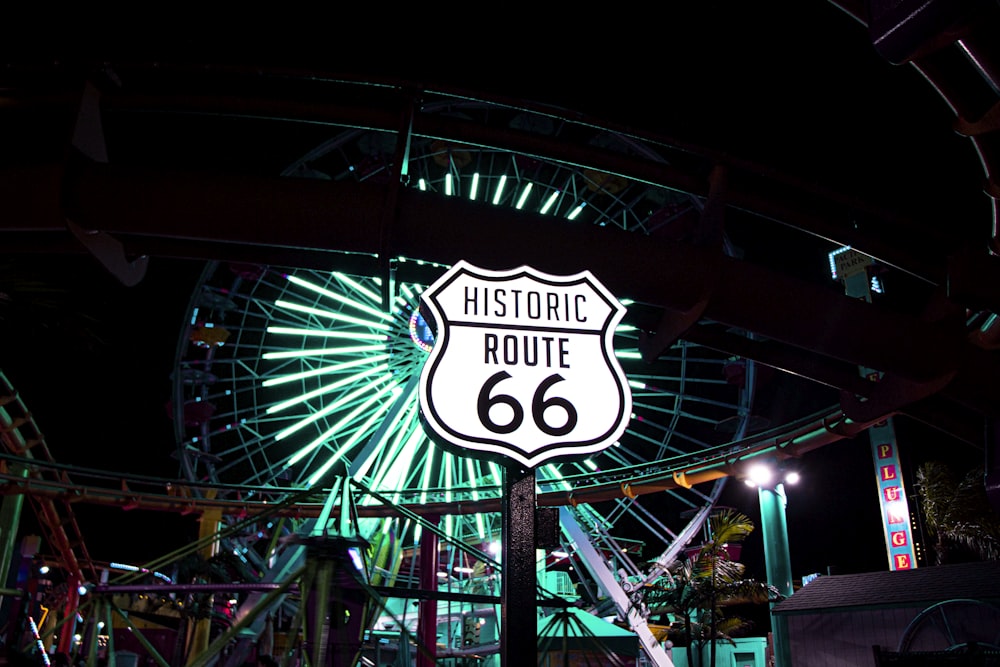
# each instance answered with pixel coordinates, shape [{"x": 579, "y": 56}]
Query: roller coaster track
[
  {"x": 49, "y": 484},
  {"x": 35, "y": 466}
]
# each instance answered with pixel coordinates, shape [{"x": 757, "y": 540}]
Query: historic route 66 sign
[{"x": 523, "y": 364}]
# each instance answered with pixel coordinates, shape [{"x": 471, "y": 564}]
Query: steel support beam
[
  {"x": 321, "y": 224},
  {"x": 598, "y": 569}
]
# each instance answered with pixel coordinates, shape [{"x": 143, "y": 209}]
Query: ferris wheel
[{"x": 288, "y": 377}]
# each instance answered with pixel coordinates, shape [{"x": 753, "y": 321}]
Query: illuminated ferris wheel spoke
[
  {"x": 339, "y": 298},
  {"x": 392, "y": 468},
  {"x": 272, "y": 379},
  {"x": 401, "y": 408},
  {"x": 340, "y": 425},
  {"x": 327, "y": 388},
  {"x": 344, "y": 401}
]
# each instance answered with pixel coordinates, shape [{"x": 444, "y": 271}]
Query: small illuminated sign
[
  {"x": 846, "y": 262},
  {"x": 523, "y": 364}
]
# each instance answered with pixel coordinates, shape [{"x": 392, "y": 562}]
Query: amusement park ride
[{"x": 350, "y": 536}]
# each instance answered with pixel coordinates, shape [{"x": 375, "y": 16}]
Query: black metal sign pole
[{"x": 518, "y": 606}]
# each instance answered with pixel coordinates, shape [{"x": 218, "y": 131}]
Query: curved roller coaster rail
[{"x": 134, "y": 492}]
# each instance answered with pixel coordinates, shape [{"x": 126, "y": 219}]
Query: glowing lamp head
[
  {"x": 792, "y": 477},
  {"x": 760, "y": 474}
]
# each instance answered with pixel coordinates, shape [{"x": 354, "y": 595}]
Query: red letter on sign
[
  {"x": 902, "y": 561},
  {"x": 888, "y": 472},
  {"x": 899, "y": 538},
  {"x": 891, "y": 494},
  {"x": 884, "y": 451}
]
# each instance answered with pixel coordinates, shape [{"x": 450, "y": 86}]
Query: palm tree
[
  {"x": 696, "y": 589},
  {"x": 957, "y": 513}
]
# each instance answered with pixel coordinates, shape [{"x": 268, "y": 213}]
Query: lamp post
[{"x": 777, "y": 562}]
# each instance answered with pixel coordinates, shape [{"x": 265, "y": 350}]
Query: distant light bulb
[{"x": 792, "y": 477}]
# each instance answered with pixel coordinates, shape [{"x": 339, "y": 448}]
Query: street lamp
[
  {"x": 770, "y": 484},
  {"x": 765, "y": 475}
]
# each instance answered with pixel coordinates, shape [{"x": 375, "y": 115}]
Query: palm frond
[
  {"x": 730, "y": 526},
  {"x": 957, "y": 512}
]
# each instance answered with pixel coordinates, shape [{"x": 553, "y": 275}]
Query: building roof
[{"x": 903, "y": 588}]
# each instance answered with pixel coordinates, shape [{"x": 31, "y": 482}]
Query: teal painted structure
[
  {"x": 777, "y": 562},
  {"x": 743, "y": 652}
]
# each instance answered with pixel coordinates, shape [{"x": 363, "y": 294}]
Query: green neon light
[
  {"x": 499, "y": 192},
  {"x": 473, "y": 482},
  {"x": 549, "y": 202},
  {"x": 497, "y": 476},
  {"x": 576, "y": 211},
  {"x": 422, "y": 184},
  {"x": 330, "y": 432},
  {"x": 636, "y": 385},
  {"x": 410, "y": 404},
  {"x": 623, "y": 328},
  {"x": 385, "y": 461},
  {"x": 326, "y": 334},
  {"x": 524, "y": 197},
  {"x": 406, "y": 290},
  {"x": 448, "y": 462},
  {"x": 322, "y": 352},
  {"x": 354, "y": 284},
  {"x": 338, "y": 297},
  {"x": 475, "y": 185},
  {"x": 351, "y": 379},
  {"x": 627, "y": 354},
  {"x": 316, "y": 416},
  {"x": 447, "y": 184},
  {"x": 350, "y": 442},
  {"x": 426, "y": 481},
  {"x": 404, "y": 462},
  {"x": 339, "y": 317},
  {"x": 399, "y": 463},
  {"x": 331, "y": 368},
  {"x": 566, "y": 486}
]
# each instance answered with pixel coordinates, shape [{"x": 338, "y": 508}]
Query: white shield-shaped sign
[{"x": 523, "y": 364}]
